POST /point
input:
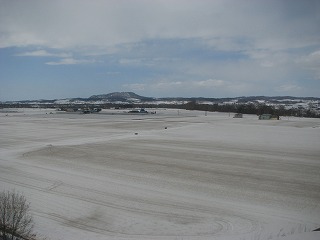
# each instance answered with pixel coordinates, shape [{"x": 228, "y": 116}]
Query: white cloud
[
  {"x": 12, "y": 38},
  {"x": 135, "y": 86},
  {"x": 288, "y": 88},
  {"x": 249, "y": 46},
  {"x": 145, "y": 61},
  {"x": 126, "y": 61},
  {"x": 70, "y": 61},
  {"x": 311, "y": 62},
  {"x": 170, "y": 85},
  {"x": 73, "y": 23},
  {"x": 267, "y": 63},
  {"x": 315, "y": 55},
  {"x": 225, "y": 43},
  {"x": 167, "y": 84},
  {"x": 42, "y": 53},
  {"x": 210, "y": 83},
  {"x": 270, "y": 58},
  {"x": 204, "y": 88}
]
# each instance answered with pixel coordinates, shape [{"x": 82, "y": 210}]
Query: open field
[{"x": 171, "y": 175}]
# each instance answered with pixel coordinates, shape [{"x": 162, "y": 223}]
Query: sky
[{"x": 159, "y": 48}]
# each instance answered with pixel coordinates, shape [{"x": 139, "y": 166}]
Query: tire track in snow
[{"x": 221, "y": 226}]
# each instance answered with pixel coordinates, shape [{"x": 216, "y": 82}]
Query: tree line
[
  {"x": 253, "y": 108},
  {"x": 245, "y": 108}
]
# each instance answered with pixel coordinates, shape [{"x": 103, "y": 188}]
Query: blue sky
[{"x": 159, "y": 48}]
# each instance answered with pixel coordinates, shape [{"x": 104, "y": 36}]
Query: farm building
[
  {"x": 268, "y": 117},
  {"x": 238, "y": 115}
]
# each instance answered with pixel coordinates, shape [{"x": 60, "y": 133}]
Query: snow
[{"x": 183, "y": 176}]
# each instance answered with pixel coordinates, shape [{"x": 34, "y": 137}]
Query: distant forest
[
  {"x": 245, "y": 108},
  {"x": 252, "y": 108}
]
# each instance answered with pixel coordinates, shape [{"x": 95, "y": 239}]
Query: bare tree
[{"x": 15, "y": 219}]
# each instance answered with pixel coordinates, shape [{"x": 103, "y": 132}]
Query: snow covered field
[{"x": 171, "y": 175}]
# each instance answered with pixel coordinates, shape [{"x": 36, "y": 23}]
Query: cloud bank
[{"x": 258, "y": 46}]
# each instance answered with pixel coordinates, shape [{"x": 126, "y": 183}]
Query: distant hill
[
  {"x": 281, "y": 105},
  {"x": 131, "y": 97},
  {"x": 120, "y": 97}
]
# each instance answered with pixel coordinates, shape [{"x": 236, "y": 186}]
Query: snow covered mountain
[{"x": 120, "y": 97}]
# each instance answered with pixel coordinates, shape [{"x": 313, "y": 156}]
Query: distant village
[{"x": 133, "y": 103}]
